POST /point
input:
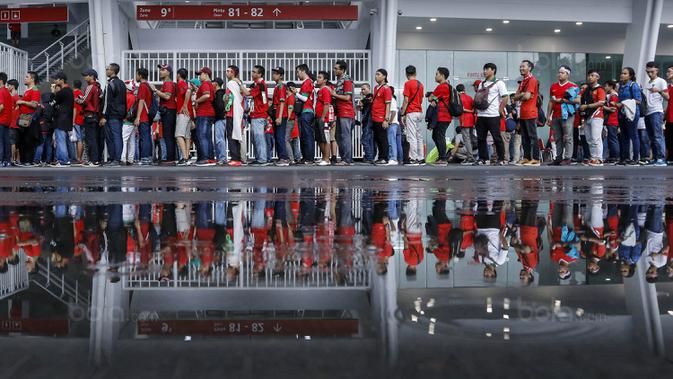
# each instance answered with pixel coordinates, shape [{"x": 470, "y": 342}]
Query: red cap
[
  {"x": 476, "y": 83},
  {"x": 207, "y": 70}
]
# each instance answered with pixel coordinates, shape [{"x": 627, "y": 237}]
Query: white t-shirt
[
  {"x": 496, "y": 253},
  {"x": 655, "y": 102},
  {"x": 495, "y": 94},
  {"x": 654, "y": 244},
  {"x": 394, "y": 108}
]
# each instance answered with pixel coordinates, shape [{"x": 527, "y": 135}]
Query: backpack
[
  {"x": 587, "y": 98},
  {"x": 455, "y": 103},
  {"x": 481, "y": 102},
  {"x": 431, "y": 116},
  {"x": 643, "y": 100},
  {"x": 152, "y": 111}
]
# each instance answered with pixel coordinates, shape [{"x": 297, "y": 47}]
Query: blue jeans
[
  {"x": 204, "y": 131},
  {"x": 113, "y": 139},
  {"x": 296, "y": 149},
  {"x": 613, "y": 142},
  {"x": 62, "y": 141},
  {"x": 221, "y": 140},
  {"x": 654, "y": 219},
  {"x": 392, "y": 140},
  {"x": 644, "y": 144},
  {"x": 269, "y": 145},
  {"x": 368, "y": 141},
  {"x": 655, "y": 131},
  {"x": 628, "y": 137},
  {"x": 259, "y": 139},
  {"x": 5, "y": 146},
  {"x": 307, "y": 136},
  {"x": 279, "y": 134},
  {"x": 345, "y": 139},
  {"x": 43, "y": 152},
  {"x": 145, "y": 134}
]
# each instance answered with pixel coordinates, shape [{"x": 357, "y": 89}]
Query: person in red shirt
[
  {"x": 13, "y": 87},
  {"x": 129, "y": 130},
  {"x": 78, "y": 123},
  {"x": 381, "y": 114},
  {"x": 306, "y": 131},
  {"x": 441, "y": 97},
  {"x": 594, "y": 124},
  {"x": 91, "y": 103},
  {"x": 6, "y": 113},
  {"x": 527, "y": 94},
  {"x": 142, "y": 121},
  {"x": 669, "y": 117},
  {"x": 563, "y": 128},
  {"x": 281, "y": 114},
  {"x": 467, "y": 122},
  {"x": 292, "y": 131},
  {"x": 27, "y": 106},
  {"x": 612, "y": 120},
  {"x": 526, "y": 241},
  {"x": 259, "y": 114},
  {"x": 205, "y": 116},
  {"x": 322, "y": 105},
  {"x": 168, "y": 105},
  {"x": 345, "y": 112},
  {"x": 412, "y": 115},
  {"x": 185, "y": 113}
]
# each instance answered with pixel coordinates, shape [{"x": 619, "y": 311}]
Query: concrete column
[
  {"x": 109, "y": 33},
  {"x": 642, "y": 34},
  {"x": 390, "y": 41}
]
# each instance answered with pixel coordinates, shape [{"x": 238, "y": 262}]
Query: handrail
[{"x": 74, "y": 31}]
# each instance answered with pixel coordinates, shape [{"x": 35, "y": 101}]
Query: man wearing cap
[
  {"x": 281, "y": 116},
  {"x": 220, "y": 122},
  {"x": 91, "y": 111},
  {"x": 343, "y": 93},
  {"x": 258, "y": 114},
  {"x": 64, "y": 101},
  {"x": 167, "y": 108},
  {"x": 142, "y": 120},
  {"x": 205, "y": 115},
  {"x": 114, "y": 112}
]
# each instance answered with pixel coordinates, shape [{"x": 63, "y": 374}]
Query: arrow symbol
[
  {"x": 276, "y": 12},
  {"x": 277, "y": 328}
]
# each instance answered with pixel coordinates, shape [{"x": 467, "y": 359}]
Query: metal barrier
[
  {"x": 14, "y": 62},
  {"x": 55, "y": 55},
  {"x": 15, "y": 279}
]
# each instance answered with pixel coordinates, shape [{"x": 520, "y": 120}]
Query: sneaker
[
  {"x": 644, "y": 162},
  {"x": 482, "y": 163},
  {"x": 532, "y": 162},
  {"x": 502, "y": 163},
  {"x": 234, "y": 163},
  {"x": 595, "y": 163},
  {"x": 632, "y": 163},
  {"x": 392, "y": 162},
  {"x": 113, "y": 164},
  {"x": 659, "y": 163},
  {"x": 522, "y": 162},
  {"x": 145, "y": 163},
  {"x": 441, "y": 162},
  {"x": 265, "y": 164},
  {"x": 412, "y": 163},
  {"x": 565, "y": 162},
  {"x": 283, "y": 163},
  {"x": 181, "y": 162},
  {"x": 381, "y": 162},
  {"x": 202, "y": 163},
  {"x": 324, "y": 163},
  {"x": 342, "y": 163},
  {"x": 93, "y": 164},
  {"x": 467, "y": 162},
  {"x": 60, "y": 165}
]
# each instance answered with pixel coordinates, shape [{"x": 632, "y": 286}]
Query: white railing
[
  {"x": 13, "y": 62},
  {"x": 15, "y": 279},
  {"x": 57, "y": 286},
  {"x": 58, "y": 53},
  {"x": 317, "y": 60}
]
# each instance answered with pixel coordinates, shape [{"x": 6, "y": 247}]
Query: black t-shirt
[{"x": 64, "y": 102}]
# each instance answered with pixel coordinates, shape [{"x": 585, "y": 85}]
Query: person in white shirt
[
  {"x": 394, "y": 147},
  {"x": 488, "y": 115},
  {"x": 490, "y": 243},
  {"x": 655, "y": 248},
  {"x": 656, "y": 90}
]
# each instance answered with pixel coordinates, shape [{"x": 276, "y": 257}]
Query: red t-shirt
[
  {"x": 529, "y": 107},
  {"x": 15, "y": 112},
  {"x": 205, "y": 109},
  {"x": 467, "y": 119},
  {"x": 382, "y": 96},
  {"x": 79, "y": 117},
  {"x": 669, "y": 108},
  {"x": 289, "y": 102},
  {"x": 279, "y": 96},
  {"x": 183, "y": 87},
  {"x": 7, "y": 109},
  {"x": 557, "y": 90},
  {"x": 31, "y": 94},
  {"x": 260, "y": 101},
  {"x": 613, "y": 119},
  {"x": 443, "y": 95},
  {"x": 144, "y": 93},
  {"x": 130, "y": 99},
  {"x": 413, "y": 90},
  {"x": 598, "y": 94},
  {"x": 171, "y": 103},
  {"x": 307, "y": 90},
  {"x": 344, "y": 108},
  {"x": 324, "y": 100}
]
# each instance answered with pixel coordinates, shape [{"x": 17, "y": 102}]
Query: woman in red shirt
[{"x": 381, "y": 113}]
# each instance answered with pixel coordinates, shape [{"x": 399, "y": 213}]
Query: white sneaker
[
  {"x": 323, "y": 163},
  {"x": 392, "y": 163}
]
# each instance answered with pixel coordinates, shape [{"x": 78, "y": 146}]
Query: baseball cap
[
  {"x": 476, "y": 83},
  {"x": 279, "y": 70},
  {"x": 195, "y": 81},
  {"x": 90, "y": 72},
  {"x": 219, "y": 81},
  {"x": 165, "y": 67},
  {"x": 207, "y": 70}
]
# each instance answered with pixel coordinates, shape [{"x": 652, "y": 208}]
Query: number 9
[{"x": 164, "y": 12}]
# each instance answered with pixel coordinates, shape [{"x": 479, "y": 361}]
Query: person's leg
[
  {"x": 279, "y": 136},
  {"x": 259, "y": 140},
  {"x": 61, "y": 141},
  {"x": 289, "y": 152},
  {"x": 381, "y": 138},
  {"x": 412, "y": 133},
  {"x": 440, "y": 140},
  {"x": 400, "y": 149},
  {"x": 526, "y": 140},
  {"x": 268, "y": 138},
  {"x": 557, "y": 128},
  {"x": 145, "y": 142},
  {"x": 117, "y": 138},
  {"x": 669, "y": 141},
  {"x": 624, "y": 140},
  {"x": 635, "y": 139},
  {"x": 506, "y": 139},
  {"x": 466, "y": 133},
  {"x": 345, "y": 139},
  {"x": 482, "y": 134},
  {"x": 39, "y": 150},
  {"x": 613, "y": 142},
  {"x": 234, "y": 145},
  {"x": 516, "y": 146},
  {"x": 644, "y": 143},
  {"x": 494, "y": 128},
  {"x": 305, "y": 133},
  {"x": 368, "y": 141},
  {"x": 594, "y": 137},
  {"x": 220, "y": 141},
  {"x": 4, "y": 142},
  {"x": 169, "y": 120},
  {"x": 657, "y": 139},
  {"x": 568, "y": 137},
  {"x": 391, "y": 133},
  {"x": 202, "y": 138}
]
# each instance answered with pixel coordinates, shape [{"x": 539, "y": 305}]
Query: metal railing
[
  {"x": 57, "y": 286},
  {"x": 58, "y": 53},
  {"x": 15, "y": 279},
  {"x": 14, "y": 62}
]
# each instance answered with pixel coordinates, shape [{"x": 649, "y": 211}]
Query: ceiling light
[
  {"x": 607, "y": 57},
  {"x": 670, "y": 26},
  {"x": 489, "y": 29},
  {"x": 433, "y": 19},
  {"x": 505, "y": 21},
  {"x": 419, "y": 28},
  {"x": 557, "y": 30},
  {"x": 578, "y": 23}
]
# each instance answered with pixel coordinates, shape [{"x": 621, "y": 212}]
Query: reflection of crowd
[{"x": 309, "y": 232}]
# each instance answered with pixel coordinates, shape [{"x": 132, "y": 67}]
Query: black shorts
[
  {"x": 319, "y": 129},
  {"x": 13, "y": 135}
]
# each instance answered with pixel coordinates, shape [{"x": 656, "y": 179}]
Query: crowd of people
[
  {"x": 307, "y": 232},
  {"x": 136, "y": 122}
]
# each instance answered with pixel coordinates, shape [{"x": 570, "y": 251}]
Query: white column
[
  {"x": 642, "y": 34},
  {"x": 109, "y": 33},
  {"x": 390, "y": 41}
]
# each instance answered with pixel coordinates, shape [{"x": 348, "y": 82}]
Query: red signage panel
[
  {"x": 34, "y": 14},
  {"x": 248, "y": 327},
  {"x": 30, "y": 326},
  {"x": 247, "y": 12}
]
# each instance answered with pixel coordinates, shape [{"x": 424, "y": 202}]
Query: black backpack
[
  {"x": 455, "y": 103},
  {"x": 643, "y": 100}
]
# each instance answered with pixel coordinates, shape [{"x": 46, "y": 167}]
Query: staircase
[
  {"x": 59, "y": 287},
  {"x": 71, "y": 49}
]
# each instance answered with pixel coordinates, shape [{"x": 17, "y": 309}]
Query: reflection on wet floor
[{"x": 324, "y": 262}]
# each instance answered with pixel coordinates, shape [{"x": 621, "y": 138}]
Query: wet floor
[{"x": 336, "y": 273}]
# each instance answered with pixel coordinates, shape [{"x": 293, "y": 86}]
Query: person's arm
[
  {"x": 387, "y": 116},
  {"x": 205, "y": 97},
  {"x": 281, "y": 109},
  {"x": 550, "y": 106},
  {"x": 325, "y": 110},
  {"x": 139, "y": 111},
  {"x": 185, "y": 106},
  {"x": 162, "y": 95},
  {"x": 30, "y": 104}
]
